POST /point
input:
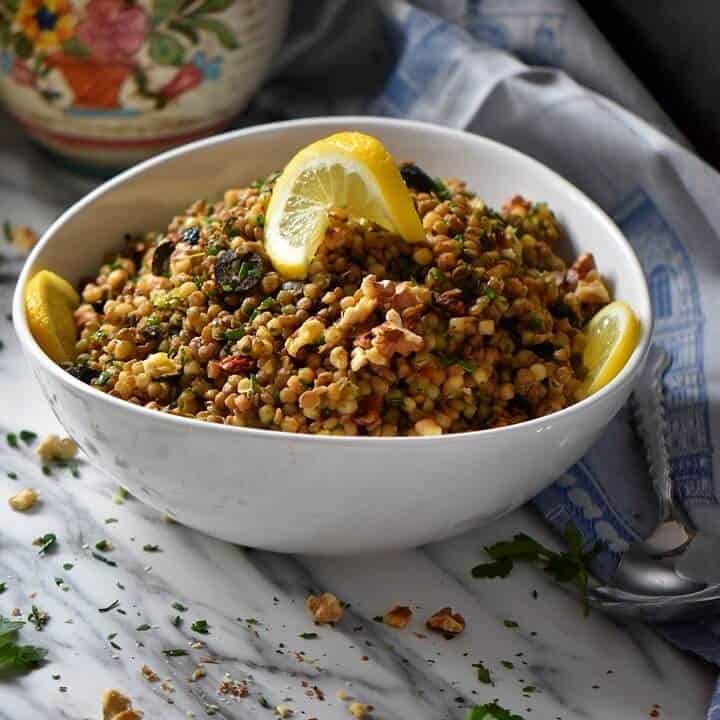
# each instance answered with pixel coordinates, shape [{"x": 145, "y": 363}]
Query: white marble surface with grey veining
[{"x": 580, "y": 667}]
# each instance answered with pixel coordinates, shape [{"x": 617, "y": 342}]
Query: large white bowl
[{"x": 304, "y": 493}]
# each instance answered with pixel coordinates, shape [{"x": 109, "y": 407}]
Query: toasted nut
[
  {"x": 116, "y": 706},
  {"x": 53, "y": 447},
  {"x": 359, "y": 710},
  {"x": 23, "y": 500},
  {"x": 325, "y": 608},
  {"x": 398, "y": 616},
  {"x": 283, "y": 711},
  {"x": 447, "y": 622}
]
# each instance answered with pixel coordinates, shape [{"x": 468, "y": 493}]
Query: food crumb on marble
[
  {"x": 117, "y": 706},
  {"x": 325, "y": 609},
  {"x": 360, "y": 710},
  {"x": 398, "y": 616},
  {"x": 197, "y": 674},
  {"x": 55, "y": 448},
  {"x": 149, "y": 674},
  {"x": 283, "y": 711},
  {"x": 447, "y": 622},
  {"x": 24, "y": 500}
]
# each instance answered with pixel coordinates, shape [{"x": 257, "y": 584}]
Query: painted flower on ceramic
[
  {"x": 113, "y": 30},
  {"x": 46, "y": 23}
]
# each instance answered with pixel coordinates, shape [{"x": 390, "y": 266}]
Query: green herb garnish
[
  {"x": 569, "y": 566},
  {"x": 491, "y": 711},
  {"x": 109, "y": 607},
  {"x": 490, "y": 293},
  {"x": 28, "y": 436},
  {"x": 102, "y": 558},
  {"x": 14, "y": 657},
  {"x": 235, "y": 333},
  {"x": 200, "y": 626},
  {"x": 441, "y": 189},
  {"x": 38, "y": 617},
  {"x": 12, "y": 475},
  {"x": 103, "y": 378},
  {"x": 3, "y": 587},
  {"x": 261, "y": 220},
  {"x": 466, "y": 365},
  {"x": 483, "y": 674},
  {"x": 510, "y": 624},
  {"x": 103, "y": 545},
  {"x": 7, "y": 231},
  {"x": 151, "y": 548},
  {"x": 507, "y": 664},
  {"x": 12, "y": 440},
  {"x": 176, "y": 621},
  {"x": 68, "y": 566},
  {"x": 45, "y": 542},
  {"x": 143, "y": 627},
  {"x": 309, "y": 636},
  {"x": 175, "y": 652},
  {"x": 179, "y": 607}
]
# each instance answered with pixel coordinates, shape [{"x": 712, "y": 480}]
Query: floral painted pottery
[{"x": 109, "y": 82}]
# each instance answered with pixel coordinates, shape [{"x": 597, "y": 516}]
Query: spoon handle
[{"x": 674, "y": 528}]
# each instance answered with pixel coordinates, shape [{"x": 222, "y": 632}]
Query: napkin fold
[{"x": 537, "y": 75}]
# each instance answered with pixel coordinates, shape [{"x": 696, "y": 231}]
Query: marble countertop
[{"x": 254, "y": 601}]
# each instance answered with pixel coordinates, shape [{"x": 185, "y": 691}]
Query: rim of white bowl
[{"x": 31, "y": 347}]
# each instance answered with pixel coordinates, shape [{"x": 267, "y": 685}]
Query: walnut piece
[
  {"x": 358, "y": 313},
  {"x": 391, "y": 338},
  {"x": 116, "y": 706},
  {"x": 517, "y": 206},
  {"x": 398, "y": 616},
  {"x": 23, "y": 500},
  {"x": 592, "y": 290},
  {"x": 325, "y": 609},
  {"x": 309, "y": 333},
  {"x": 149, "y": 674},
  {"x": 447, "y": 622},
  {"x": 53, "y": 447},
  {"x": 360, "y": 710},
  {"x": 583, "y": 265}
]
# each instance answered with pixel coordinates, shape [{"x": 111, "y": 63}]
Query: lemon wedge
[
  {"x": 347, "y": 170},
  {"x": 611, "y": 336},
  {"x": 49, "y": 304}
]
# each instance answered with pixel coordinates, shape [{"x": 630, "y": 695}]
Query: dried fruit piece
[
  {"x": 235, "y": 273},
  {"x": 417, "y": 179},
  {"x": 161, "y": 257}
]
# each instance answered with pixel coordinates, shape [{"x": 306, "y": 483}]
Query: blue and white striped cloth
[{"x": 537, "y": 75}]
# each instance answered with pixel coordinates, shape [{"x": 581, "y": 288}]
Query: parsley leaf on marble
[
  {"x": 483, "y": 674},
  {"x": 573, "y": 565},
  {"x": 45, "y": 542},
  {"x": 28, "y": 436},
  {"x": 3, "y": 587},
  {"x": 179, "y": 606},
  {"x": 15, "y": 657},
  {"x": 151, "y": 548},
  {"x": 200, "y": 626},
  {"x": 175, "y": 652},
  {"x": 309, "y": 636},
  {"x": 491, "y": 711}
]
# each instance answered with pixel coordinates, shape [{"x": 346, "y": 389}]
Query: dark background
[{"x": 673, "y": 46}]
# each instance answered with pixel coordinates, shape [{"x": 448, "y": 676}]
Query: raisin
[
  {"x": 236, "y": 273},
  {"x": 191, "y": 235},
  {"x": 161, "y": 258},
  {"x": 417, "y": 179}
]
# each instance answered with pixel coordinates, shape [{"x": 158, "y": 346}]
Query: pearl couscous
[{"x": 478, "y": 327}]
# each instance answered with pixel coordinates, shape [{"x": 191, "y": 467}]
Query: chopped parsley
[
  {"x": 491, "y": 711},
  {"x": 38, "y": 618},
  {"x": 490, "y": 293},
  {"x": 151, "y": 548},
  {"x": 176, "y": 621},
  {"x": 179, "y": 606},
  {"x": 175, "y": 652},
  {"x": 68, "y": 566},
  {"x": 103, "y": 545},
  {"x": 109, "y": 607},
  {"x": 441, "y": 189},
  {"x": 3, "y": 587},
  {"x": 466, "y": 365},
  {"x": 28, "y": 436},
  {"x": 510, "y": 624},
  {"x": 309, "y": 636},
  {"x": 200, "y": 626},
  {"x": 7, "y": 231},
  {"x": 12, "y": 440},
  {"x": 15, "y": 657},
  {"x": 235, "y": 333},
  {"x": 143, "y": 627},
  {"x": 102, "y": 558},
  {"x": 483, "y": 674},
  {"x": 12, "y": 475},
  {"x": 569, "y": 566},
  {"x": 507, "y": 664},
  {"x": 45, "y": 542}
]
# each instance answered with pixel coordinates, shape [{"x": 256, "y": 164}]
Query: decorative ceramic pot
[{"x": 109, "y": 82}]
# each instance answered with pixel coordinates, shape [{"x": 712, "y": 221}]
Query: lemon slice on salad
[
  {"x": 49, "y": 304},
  {"x": 611, "y": 336},
  {"x": 347, "y": 170}
]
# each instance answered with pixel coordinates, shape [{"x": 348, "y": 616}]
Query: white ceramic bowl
[{"x": 304, "y": 493}]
